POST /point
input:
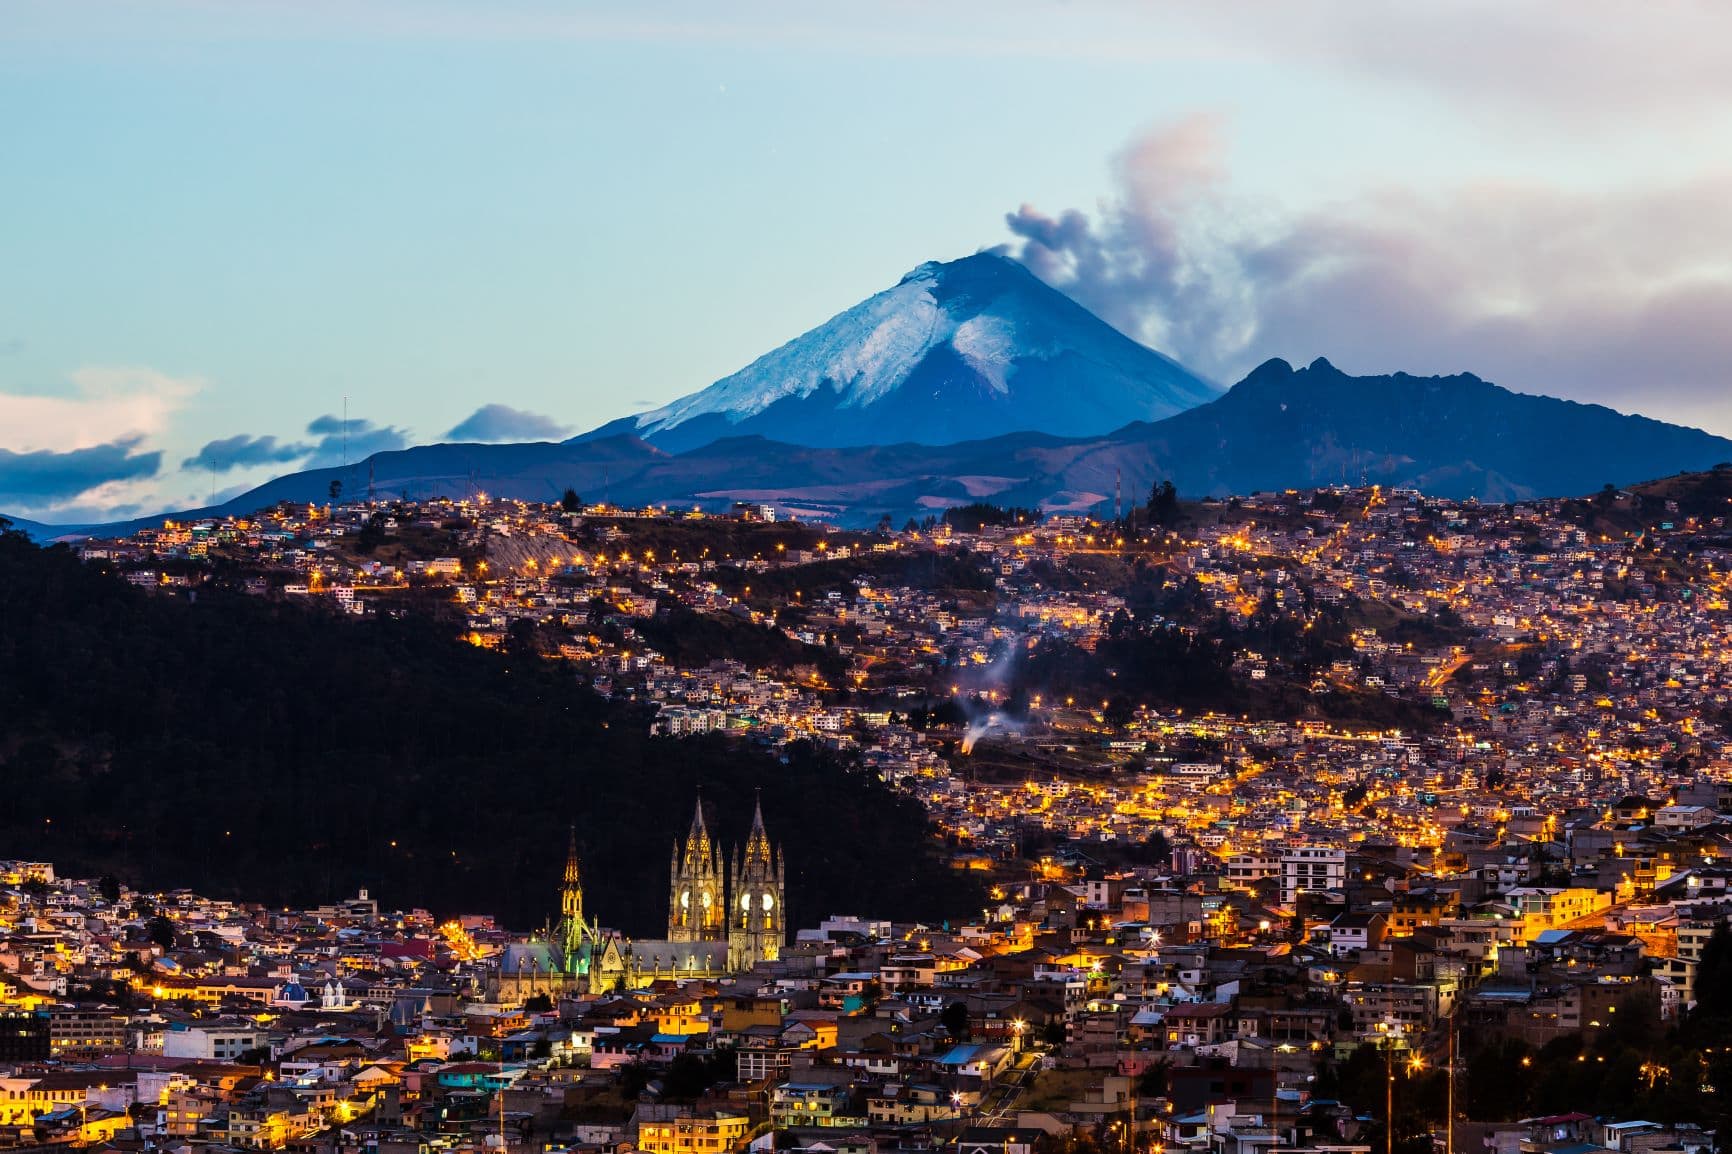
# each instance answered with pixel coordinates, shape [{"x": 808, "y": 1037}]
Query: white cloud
[
  {"x": 1608, "y": 296},
  {"x": 108, "y": 404}
]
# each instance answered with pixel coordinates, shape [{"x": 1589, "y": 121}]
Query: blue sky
[{"x": 220, "y": 219}]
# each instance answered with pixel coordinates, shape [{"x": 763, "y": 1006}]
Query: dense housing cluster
[{"x": 1339, "y": 820}]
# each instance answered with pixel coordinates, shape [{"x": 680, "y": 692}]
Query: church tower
[
  {"x": 571, "y": 924},
  {"x": 755, "y": 920},
  {"x": 696, "y": 901}
]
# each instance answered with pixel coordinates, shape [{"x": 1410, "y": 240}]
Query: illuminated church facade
[{"x": 719, "y": 922}]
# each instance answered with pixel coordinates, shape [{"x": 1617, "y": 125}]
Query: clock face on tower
[
  {"x": 706, "y": 899},
  {"x": 745, "y": 901},
  {"x": 769, "y": 902},
  {"x": 685, "y": 899}
]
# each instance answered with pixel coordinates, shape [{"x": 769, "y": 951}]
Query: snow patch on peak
[
  {"x": 862, "y": 354},
  {"x": 927, "y": 271},
  {"x": 988, "y": 344}
]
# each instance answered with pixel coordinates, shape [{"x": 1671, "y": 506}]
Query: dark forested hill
[{"x": 274, "y": 753}]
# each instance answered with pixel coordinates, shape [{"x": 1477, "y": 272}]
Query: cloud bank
[
  {"x": 106, "y": 404},
  {"x": 44, "y": 479},
  {"x": 352, "y": 440},
  {"x": 242, "y": 451},
  {"x": 1617, "y": 297},
  {"x": 64, "y": 453},
  {"x": 504, "y": 423}
]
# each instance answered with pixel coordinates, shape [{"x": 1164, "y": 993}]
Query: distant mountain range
[
  {"x": 1280, "y": 427},
  {"x": 1456, "y": 436},
  {"x": 973, "y": 380}
]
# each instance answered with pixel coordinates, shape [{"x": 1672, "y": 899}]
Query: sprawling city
[{"x": 1438, "y": 835}]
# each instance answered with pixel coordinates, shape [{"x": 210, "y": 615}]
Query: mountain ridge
[{"x": 1280, "y": 427}]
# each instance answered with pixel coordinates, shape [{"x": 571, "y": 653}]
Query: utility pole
[
  {"x": 1389, "y": 1030},
  {"x": 1449, "y": 1123},
  {"x": 1274, "y": 1093}
]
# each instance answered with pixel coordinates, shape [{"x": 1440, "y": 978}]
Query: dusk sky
[{"x": 520, "y": 219}]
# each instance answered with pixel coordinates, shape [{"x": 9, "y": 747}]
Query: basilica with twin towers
[{"x": 725, "y": 915}]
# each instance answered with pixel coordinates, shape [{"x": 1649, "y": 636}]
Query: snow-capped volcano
[{"x": 955, "y": 351}]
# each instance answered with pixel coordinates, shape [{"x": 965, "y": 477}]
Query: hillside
[
  {"x": 274, "y": 753},
  {"x": 1456, "y": 436}
]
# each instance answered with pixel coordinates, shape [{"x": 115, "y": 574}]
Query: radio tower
[{"x": 1119, "y": 495}]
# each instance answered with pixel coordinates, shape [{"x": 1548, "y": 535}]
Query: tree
[
  {"x": 693, "y": 1072},
  {"x": 1714, "y": 979},
  {"x": 1152, "y": 1083},
  {"x": 571, "y": 502},
  {"x": 1163, "y": 504},
  {"x": 971, "y": 518},
  {"x": 372, "y": 534},
  {"x": 161, "y": 931},
  {"x": 538, "y": 1004},
  {"x": 520, "y": 638},
  {"x": 1496, "y": 1088},
  {"x": 109, "y": 887},
  {"x": 954, "y": 1019},
  {"x": 336, "y": 490}
]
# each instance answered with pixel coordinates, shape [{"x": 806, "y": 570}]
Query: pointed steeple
[
  {"x": 571, "y": 889},
  {"x": 699, "y": 833},
  {"x": 756, "y": 919},
  {"x": 758, "y": 843},
  {"x": 697, "y": 905},
  {"x": 571, "y": 937}
]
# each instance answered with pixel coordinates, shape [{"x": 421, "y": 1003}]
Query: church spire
[
  {"x": 700, "y": 835},
  {"x": 697, "y": 899},
  {"x": 572, "y": 928},
  {"x": 758, "y": 842},
  {"x": 571, "y": 890},
  {"x": 756, "y": 924}
]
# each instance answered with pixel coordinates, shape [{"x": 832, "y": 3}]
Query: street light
[{"x": 1390, "y": 1031}]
